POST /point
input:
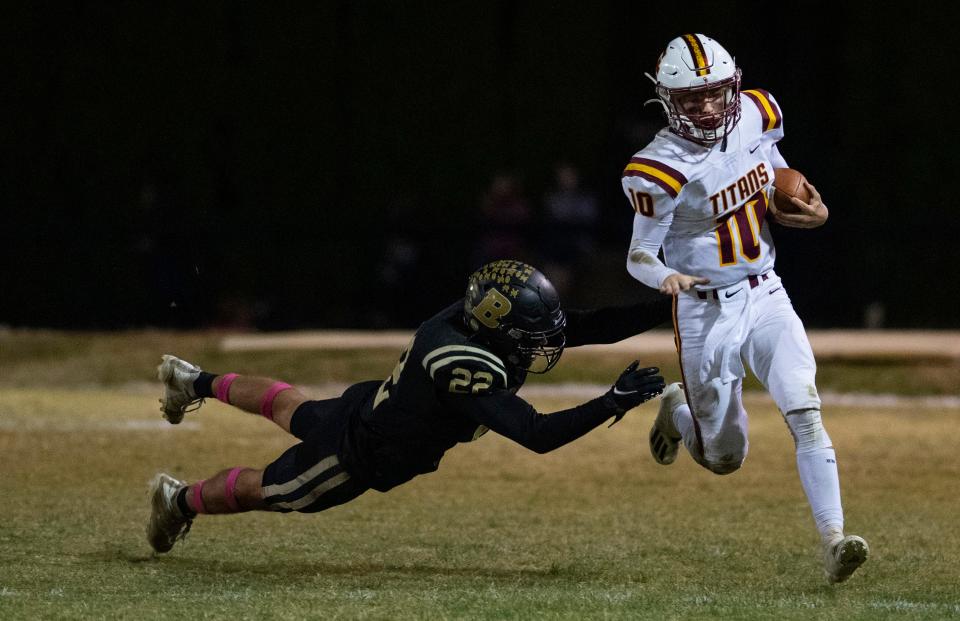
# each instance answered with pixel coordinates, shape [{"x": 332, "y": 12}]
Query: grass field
[{"x": 593, "y": 530}]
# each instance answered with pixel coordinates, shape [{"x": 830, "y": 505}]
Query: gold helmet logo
[{"x": 491, "y": 308}]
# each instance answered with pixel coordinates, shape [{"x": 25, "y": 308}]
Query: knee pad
[
  {"x": 807, "y": 429},
  {"x": 725, "y": 464},
  {"x": 725, "y": 467}
]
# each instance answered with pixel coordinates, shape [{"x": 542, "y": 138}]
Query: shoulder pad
[
  {"x": 767, "y": 105},
  {"x": 667, "y": 178},
  {"x": 465, "y": 369}
]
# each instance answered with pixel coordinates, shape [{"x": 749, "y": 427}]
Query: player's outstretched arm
[
  {"x": 511, "y": 416},
  {"x": 610, "y": 324}
]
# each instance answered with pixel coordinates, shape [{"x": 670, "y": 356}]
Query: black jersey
[{"x": 448, "y": 388}]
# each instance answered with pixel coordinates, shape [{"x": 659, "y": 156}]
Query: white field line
[
  {"x": 825, "y": 343},
  {"x": 589, "y": 391},
  {"x": 62, "y": 425}
]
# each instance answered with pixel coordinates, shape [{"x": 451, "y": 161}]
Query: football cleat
[
  {"x": 177, "y": 377},
  {"x": 167, "y": 524},
  {"x": 842, "y": 557},
  {"x": 664, "y": 437}
]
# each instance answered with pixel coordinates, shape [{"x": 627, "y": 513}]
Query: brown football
[{"x": 788, "y": 182}]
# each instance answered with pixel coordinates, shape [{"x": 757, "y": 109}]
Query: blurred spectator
[
  {"x": 398, "y": 269},
  {"x": 570, "y": 220},
  {"x": 874, "y": 315},
  {"x": 164, "y": 290},
  {"x": 505, "y": 218}
]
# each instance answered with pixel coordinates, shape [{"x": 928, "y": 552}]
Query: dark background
[{"x": 244, "y": 164}]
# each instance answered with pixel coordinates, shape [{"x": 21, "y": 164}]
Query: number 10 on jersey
[
  {"x": 642, "y": 203},
  {"x": 748, "y": 220}
]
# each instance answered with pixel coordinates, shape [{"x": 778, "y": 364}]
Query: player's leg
[
  {"x": 234, "y": 490},
  {"x": 308, "y": 477},
  {"x": 780, "y": 355},
  {"x": 674, "y": 424},
  {"x": 722, "y": 424},
  {"x": 270, "y": 398},
  {"x": 186, "y": 385},
  {"x": 175, "y": 504},
  {"x": 708, "y": 417}
]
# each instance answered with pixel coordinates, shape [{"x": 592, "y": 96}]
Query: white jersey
[{"x": 706, "y": 206}]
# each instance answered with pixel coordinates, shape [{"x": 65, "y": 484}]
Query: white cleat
[
  {"x": 177, "y": 377},
  {"x": 166, "y": 523},
  {"x": 843, "y": 556},
  {"x": 664, "y": 437}
]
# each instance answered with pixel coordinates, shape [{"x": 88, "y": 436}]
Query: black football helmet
[{"x": 515, "y": 310}]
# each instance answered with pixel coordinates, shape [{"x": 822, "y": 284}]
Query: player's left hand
[
  {"x": 633, "y": 387},
  {"x": 811, "y": 215}
]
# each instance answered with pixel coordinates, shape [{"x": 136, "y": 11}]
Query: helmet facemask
[
  {"x": 538, "y": 352},
  {"x": 706, "y": 128}
]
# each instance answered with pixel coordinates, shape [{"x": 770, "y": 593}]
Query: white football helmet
[{"x": 693, "y": 69}]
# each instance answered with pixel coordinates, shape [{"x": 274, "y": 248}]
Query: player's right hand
[
  {"x": 809, "y": 215},
  {"x": 633, "y": 387},
  {"x": 675, "y": 283}
]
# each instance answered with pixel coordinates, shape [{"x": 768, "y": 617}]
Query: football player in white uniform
[{"x": 702, "y": 191}]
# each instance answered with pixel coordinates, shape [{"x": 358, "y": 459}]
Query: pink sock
[
  {"x": 231, "y": 489},
  {"x": 223, "y": 388}
]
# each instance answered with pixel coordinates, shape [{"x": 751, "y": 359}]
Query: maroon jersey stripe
[
  {"x": 673, "y": 172},
  {"x": 660, "y": 182},
  {"x": 763, "y": 111},
  {"x": 773, "y": 106}
]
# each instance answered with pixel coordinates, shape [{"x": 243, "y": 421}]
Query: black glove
[{"x": 634, "y": 386}]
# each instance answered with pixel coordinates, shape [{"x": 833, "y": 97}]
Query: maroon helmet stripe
[
  {"x": 660, "y": 182},
  {"x": 763, "y": 111},
  {"x": 698, "y": 53},
  {"x": 773, "y": 106},
  {"x": 673, "y": 172}
]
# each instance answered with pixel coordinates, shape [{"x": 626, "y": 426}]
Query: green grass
[
  {"x": 105, "y": 359},
  {"x": 593, "y": 530}
]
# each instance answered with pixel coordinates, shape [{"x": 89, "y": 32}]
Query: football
[{"x": 788, "y": 183}]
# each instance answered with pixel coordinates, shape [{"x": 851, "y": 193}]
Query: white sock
[
  {"x": 817, "y": 465},
  {"x": 818, "y": 475}
]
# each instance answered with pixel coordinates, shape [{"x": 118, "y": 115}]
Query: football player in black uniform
[{"x": 456, "y": 379}]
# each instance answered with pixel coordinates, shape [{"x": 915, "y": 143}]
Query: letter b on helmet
[{"x": 491, "y": 308}]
